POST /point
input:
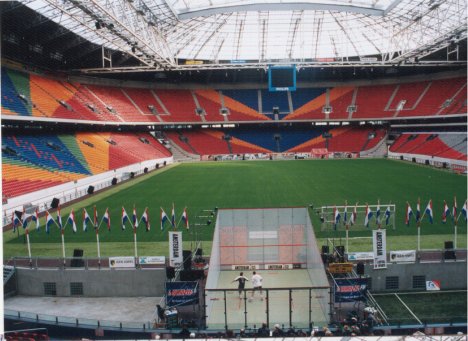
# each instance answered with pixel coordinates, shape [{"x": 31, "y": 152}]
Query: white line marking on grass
[{"x": 408, "y": 308}]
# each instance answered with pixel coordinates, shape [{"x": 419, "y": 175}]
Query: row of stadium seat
[
  {"x": 34, "y": 95},
  {"x": 241, "y": 141},
  {"x": 445, "y": 145},
  {"x": 36, "y": 162}
]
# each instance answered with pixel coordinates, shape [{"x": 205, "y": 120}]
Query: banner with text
[
  {"x": 379, "y": 238},
  {"x": 121, "y": 262},
  {"x": 181, "y": 293},
  {"x": 350, "y": 289},
  {"x": 175, "y": 248},
  {"x": 403, "y": 256}
]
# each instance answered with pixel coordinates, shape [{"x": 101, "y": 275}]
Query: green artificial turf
[{"x": 250, "y": 184}]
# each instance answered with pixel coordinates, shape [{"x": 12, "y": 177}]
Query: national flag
[
  {"x": 15, "y": 220},
  {"x": 377, "y": 213},
  {"x": 95, "y": 218},
  {"x": 164, "y": 218},
  {"x": 345, "y": 214},
  {"x": 185, "y": 218},
  {"x": 106, "y": 219},
  {"x": 387, "y": 215},
  {"x": 26, "y": 217},
  {"x": 173, "y": 217},
  {"x": 429, "y": 211},
  {"x": 124, "y": 218},
  {"x": 353, "y": 217},
  {"x": 59, "y": 218},
  {"x": 336, "y": 215},
  {"x": 409, "y": 213},
  {"x": 368, "y": 216},
  {"x": 464, "y": 209},
  {"x": 35, "y": 218},
  {"x": 134, "y": 218},
  {"x": 49, "y": 221},
  {"x": 145, "y": 219},
  {"x": 86, "y": 219},
  {"x": 454, "y": 209},
  {"x": 446, "y": 212},
  {"x": 71, "y": 220},
  {"x": 418, "y": 210}
]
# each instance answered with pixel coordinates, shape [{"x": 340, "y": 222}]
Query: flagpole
[
  {"x": 135, "y": 241},
  {"x": 347, "y": 234},
  {"x": 98, "y": 247},
  {"x": 29, "y": 248},
  {"x": 455, "y": 221},
  {"x": 63, "y": 247},
  {"x": 419, "y": 235}
]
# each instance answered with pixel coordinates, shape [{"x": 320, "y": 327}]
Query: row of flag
[
  {"x": 367, "y": 218},
  {"x": 430, "y": 213},
  {"x": 23, "y": 219}
]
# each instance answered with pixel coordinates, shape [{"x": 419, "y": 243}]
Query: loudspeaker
[
  {"x": 340, "y": 251},
  {"x": 114, "y": 181},
  {"x": 55, "y": 202},
  {"x": 76, "y": 262},
  {"x": 187, "y": 257},
  {"x": 132, "y": 175},
  {"x": 145, "y": 170},
  {"x": 325, "y": 249},
  {"x": 448, "y": 245},
  {"x": 360, "y": 268},
  {"x": 444, "y": 165},
  {"x": 157, "y": 166},
  {"x": 90, "y": 189},
  {"x": 164, "y": 163},
  {"x": 449, "y": 254},
  {"x": 199, "y": 252},
  {"x": 170, "y": 272},
  {"x": 191, "y": 275}
]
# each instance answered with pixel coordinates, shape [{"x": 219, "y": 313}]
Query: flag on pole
[
  {"x": 446, "y": 212},
  {"x": 336, "y": 215},
  {"x": 16, "y": 221},
  {"x": 71, "y": 220},
  {"x": 26, "y": 217},
  {"x": 134, "y": 218},
  {"x": 95, "y": 218},
  {"x": 345, "y": 214},
  {"x": 387, "y": 215},
  {"x": 409, "y": 213},
  {"x": 185, "y": 218},
  {"x": 145, "y": 219},
  {"x": 106, "y": 218},
  {"x": 464, "y": 209},
  {"x": 124, "y": 218},
  {"x": 368, "y": 216},
  {"x": 418, "y": 210},
  {"x": 49, "y": 221},
  {"x": 454, "y": 210},
  {"x": 35, "y": 218},
  {"x": 86, "y": 219},
  {"x": 164, "y": 218},
  {"x": 353, "y": 217},
  {"x": 173, "y": 217},
  {"x": 59, "y": 218},
  {"x": 429, "y": 212},
  {"x": 377, "y": 213}
]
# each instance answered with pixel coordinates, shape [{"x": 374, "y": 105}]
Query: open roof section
[{"x": 163, "y": 34}]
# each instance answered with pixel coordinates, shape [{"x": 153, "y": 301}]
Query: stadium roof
[{"x": 181, "y": 34}]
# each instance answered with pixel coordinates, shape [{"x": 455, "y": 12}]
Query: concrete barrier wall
[
  {"x": 452, "y": 275},
  {"x": 96, "y": 283}
]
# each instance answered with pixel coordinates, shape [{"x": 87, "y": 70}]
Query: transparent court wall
[{"x": 278, "y": 243}]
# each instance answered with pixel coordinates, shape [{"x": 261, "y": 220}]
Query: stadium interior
[{"x": 95, "y": 93}]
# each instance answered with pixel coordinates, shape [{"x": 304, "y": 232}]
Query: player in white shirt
[{"x": 257, "y": 284}]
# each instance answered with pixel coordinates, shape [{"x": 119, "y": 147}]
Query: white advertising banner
[
  {"x": 360, "y": 256},
  {"x": 403, "y": 256},
  {"x": 121, "y": 262},
  {"x": 161, "y": 260},
  {"x": 379, "y": 239},
  {"x": 175, "y": 248}
]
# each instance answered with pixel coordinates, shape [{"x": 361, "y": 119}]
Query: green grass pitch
[{"x": 249, "y": 184}]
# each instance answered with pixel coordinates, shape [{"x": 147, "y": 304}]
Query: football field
[{"x": 201, "y": 187}]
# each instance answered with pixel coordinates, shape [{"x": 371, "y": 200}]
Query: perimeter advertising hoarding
[
  {"x": 350, "y": 289},
  {"x": 181, "y": 293}
]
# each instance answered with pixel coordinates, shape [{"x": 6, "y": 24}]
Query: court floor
[{"x": 288, "y": 308}]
